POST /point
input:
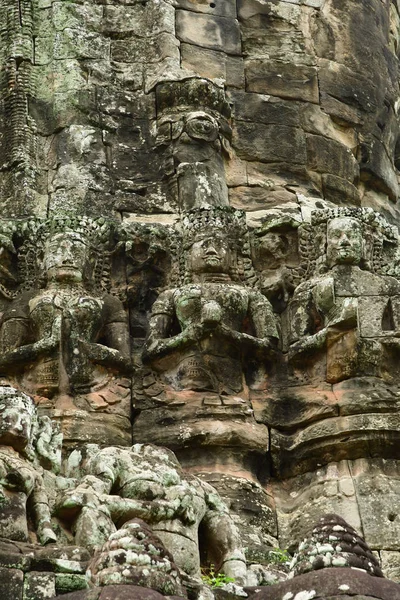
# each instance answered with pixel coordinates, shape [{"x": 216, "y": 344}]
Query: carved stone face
[
  {"x": 65, "y": 258},
  {"x": 15, "y": 423},
  {"x": 211, "y": 255},
  {"x": 344, "y": 242},
  {"x": 201, "y": 126}
]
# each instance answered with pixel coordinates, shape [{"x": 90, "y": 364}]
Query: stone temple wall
[{"x": 199, "y": 250}]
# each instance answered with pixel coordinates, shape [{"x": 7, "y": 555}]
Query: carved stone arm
[
  {"x": 263, "y": 318},
  {"x": 308, "y": 345},
  {"x": 30, "y": 352},
  {"x": 155, "y": 347},
  {"x": 124, "y": 509},
  {"x": 223, "y": 536},
  {"x": 108, "y": 357},
  {"x": 41, "y": 513}
]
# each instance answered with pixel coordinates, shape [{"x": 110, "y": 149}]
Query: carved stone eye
[{"x": 202, "y": 128}]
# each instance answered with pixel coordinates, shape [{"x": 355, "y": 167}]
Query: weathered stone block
[
  {"x": 11, "y": 584},
  {"x": 377, "y": 485},
  {"x": 377, "y": 434},
  {"x": 329, "y": 156},
  {"x": 262, "y": 108},
  {"x": 215, "y": 33},
  {"x": 296, "y": 406},
  {"x": 222, "y": 8},
  {"x": 350, "y": 87},
  {"x": 257, "y": 198},
  {"x": 283, "y": 79},
  {"x": 269, "y": 143},
  {"x": 302, "y": 500},
  {"x": 70, "y": 582},
  {"x": 391, "y": 564},
  {"x": 339, "y": 190},
  {"x": 377, "y": 168},
  {"x": 213, "y": 64},
  {"x": 39, "y": 586}
]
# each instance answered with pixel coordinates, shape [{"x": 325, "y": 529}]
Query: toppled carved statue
[
  {"x": 65, "y": 343},
  {"x": 147, "y": 482},
  {"x": 200, "y": 330},
  {"x": 21, "y": 481}
]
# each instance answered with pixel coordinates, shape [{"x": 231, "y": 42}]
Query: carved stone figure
[
  {"x": 67, "y": 343},
  {"x": 193, "y": 121},
  {"x": 22, "y": 489},
  {"x": 199, "y": 331},
  {"x": 350, "y": 308},
  {"x": 146, "y": 481},
  {"x": 342, "y": 340}
]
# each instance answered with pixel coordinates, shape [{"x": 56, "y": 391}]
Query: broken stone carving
[
  {"x": 146, "y": 481},
  {"x": 22, "y": 493},
  {"x": 333, "y": 562},
  {"x": 63, "y": 338},
  {"x": 334, "y": 543},
  {"x": 193, "y": 123},
  {"x": 134, "y": 555}
]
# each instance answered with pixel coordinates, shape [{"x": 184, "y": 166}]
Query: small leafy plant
[
  {"x": 213, "y": 579},
  {"x": 277, "y": 556}
]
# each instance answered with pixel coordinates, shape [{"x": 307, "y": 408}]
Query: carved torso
[{"x": 191, "y": 299}]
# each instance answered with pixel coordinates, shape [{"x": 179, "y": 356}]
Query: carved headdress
[
  {"x": 380, "y": 241},
  {"x": 226, "y": 222},
  {"x": 35, "y": 233}
]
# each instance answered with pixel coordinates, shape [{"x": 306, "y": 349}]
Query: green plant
[
  {"x": 277, "y": 556},
  {"x": 213, "y": 579}
]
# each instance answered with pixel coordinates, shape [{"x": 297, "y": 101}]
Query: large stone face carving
[{"x": 66, "y": 341}]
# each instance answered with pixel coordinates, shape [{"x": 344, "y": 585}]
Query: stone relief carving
[
  {"x": 348, "y": 307},
  {"x": 25, "y": 441},
  {"x": 210, "y": 308},
  {"x": 65, "y": 339},
  {"x": 341, "y": 336},
  {"x": 198, "y": 139},
  {"x": 146, "y": 481}
]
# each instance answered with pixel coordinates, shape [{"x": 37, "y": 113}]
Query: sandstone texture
[{"x": 199, "y": 299}]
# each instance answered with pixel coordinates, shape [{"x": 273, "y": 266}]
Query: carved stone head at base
[{"x": 17, "y": 412}]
